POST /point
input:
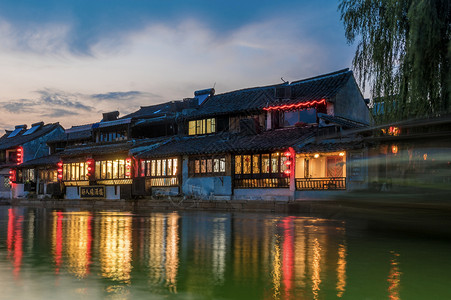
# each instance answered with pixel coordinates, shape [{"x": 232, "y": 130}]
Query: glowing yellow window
[{"x": 192, "y": 127}]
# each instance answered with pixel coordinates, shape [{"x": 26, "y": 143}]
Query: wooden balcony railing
[
  {"x": 327, "y": 183},
  {"x": 251, "y": 183},
  {"x": 164, "y": 181}
]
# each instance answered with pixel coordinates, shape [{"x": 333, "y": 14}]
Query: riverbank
[{"x": 386, "y": 212}]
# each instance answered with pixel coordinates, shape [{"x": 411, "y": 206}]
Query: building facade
[{"x": 283, "y": 142}]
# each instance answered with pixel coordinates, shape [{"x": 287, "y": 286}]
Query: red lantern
[
  {"x": 289, "y": 163},
  {"x": 19, "y": 155},
  {"x": 128, "y": 167},
  {"x": 12, "y": 175},
  {"x": 90, "y": 169},
  {"x": 60, "y": 170}
]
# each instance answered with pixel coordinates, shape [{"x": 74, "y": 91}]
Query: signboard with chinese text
[{"x": 92, "y": 191}]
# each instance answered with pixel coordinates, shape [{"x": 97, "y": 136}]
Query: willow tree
[{"x": 403, "y": 53}]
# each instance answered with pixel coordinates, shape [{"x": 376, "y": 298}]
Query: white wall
[
  {"x": 72, "y": 192},
  {"x": 113, "y": 192},
  {"x": 17, "y": 190}
]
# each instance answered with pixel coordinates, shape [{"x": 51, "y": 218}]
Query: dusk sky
[{"x": 72, "y": 60}]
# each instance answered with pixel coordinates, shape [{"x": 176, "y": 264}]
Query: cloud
[
  {"x": 130, "y": 95},
  {"x": 58, "y": 113},
  {"x": 60, "y": 98},
  {"x": 39, "y": 39},
  {"x": 156, "y": 62},
  {"x": 19, "y": 106}
]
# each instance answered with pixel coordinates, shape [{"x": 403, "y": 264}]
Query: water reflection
[
  {"x": 79, "y": 238},
  {"x": 115, "y": 246},
  {"x": 341, "y": 270},
  {"x": 200, "y": 255},
  {"x": 14, "y": 242},
  {"x": 394, "y": 277},
  {"x": 161, "y": 246}
]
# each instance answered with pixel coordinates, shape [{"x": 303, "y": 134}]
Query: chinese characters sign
[{"x": 92, "y": 191}]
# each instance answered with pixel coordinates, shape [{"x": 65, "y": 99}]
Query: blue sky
[{"x": 71, "y": 60}]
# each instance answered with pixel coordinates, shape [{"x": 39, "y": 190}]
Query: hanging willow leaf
[{"x": 403, "y": 53}]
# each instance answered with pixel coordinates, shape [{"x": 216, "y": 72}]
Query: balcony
[
  {"x": 244, "y": 183},
  {"x": 326, "y": 183}
]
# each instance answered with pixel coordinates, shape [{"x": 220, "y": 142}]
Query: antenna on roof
[
  {"x": 281, "y": 78},
  {"x": 214, "y": 85}
]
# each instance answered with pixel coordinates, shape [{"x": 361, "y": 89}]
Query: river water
[{"x": 50, "y": 254}]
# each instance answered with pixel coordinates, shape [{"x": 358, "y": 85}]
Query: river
[{"x": 54, "y": 254}]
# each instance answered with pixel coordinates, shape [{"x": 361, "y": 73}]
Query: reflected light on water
[
  {"x": 276, "y": 265},
  {"x": 57, "y": 239},
  {"x": 219, "y": 249},
  {"x": 110, "y": 255},
  {"x": 164, "y": 250},
  {"x": 116, "y": 246},
  {"x": 288, "y": 254},
  {"x": 172, "y": 259},
  {"x": 394, "y": 277},
  {"x": 316, "y": 268},
  {"x": 341, "y": 270},
  {"x": 14, "y": 241},
  {"x": 78, "y": 243},
  {"x": 156, "y": 248}
]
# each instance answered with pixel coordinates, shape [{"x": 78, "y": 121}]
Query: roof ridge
[
  {"x": 252, "y": 88},
  {"x": 346, "y": 70}
]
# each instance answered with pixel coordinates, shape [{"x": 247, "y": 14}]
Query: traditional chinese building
[
  {"x": 278, "y": 142},
  {"x": 20, "y": 146},
  {"x": 265, "y": 142}
]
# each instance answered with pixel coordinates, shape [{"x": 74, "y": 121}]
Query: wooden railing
[
  {"x": 245, "y": 183},
  {"x": 164, "y": 181},
  {"x": 328, "y": 183}
]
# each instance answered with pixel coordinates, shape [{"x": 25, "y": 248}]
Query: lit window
[
  {"x": 216, "y": 165},
  {"x": 275, "y": 163},
  {"x": 199, "y": 127},
  {"x": 121, "y": 168},
  {"x": 204, "y": 126},
  {"x": 159, "y": 167},
  {"x": 246, "y": 164},
  {"x": 98, "y": 169},
  {"x": 115, "y": 169},
  {"x": 238, "y": 164},
  {"x": 208, "y": 166},
  {"x": 203, "y": 166},
  {"x": 175, "y": 164},
  {"x": 148, "y": 168},
  {"x": 192, "y": 127},
  {"x": 197, "y": 166},
  {"x": 255, "y": 164},
  {"x": 65, "y": 172},
  {"x": 222, "y": 165},
  {"x": 265, "y": 163},
  {"x": 169, "y": 167}
]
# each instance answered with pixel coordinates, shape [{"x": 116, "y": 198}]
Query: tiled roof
[
  {"x": 330, "y": 145},
  {"x": 122, "y": 147},
  {"x": 344, "y": 122},
  {"x": 273, "y": 140},
  {"x": 20, "y": 139},
  {"x": 72, "y": 136},
  {"x": 75, "y": 133},
  {"x": 317, "y": 88},
  {"x": 97, "y": 149},
  {"x": 254, "y": 99},
  {"x": 246, "y": 100},
  {"x": 156, "y": 110},
  {"x": 42, "y": 161}
]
